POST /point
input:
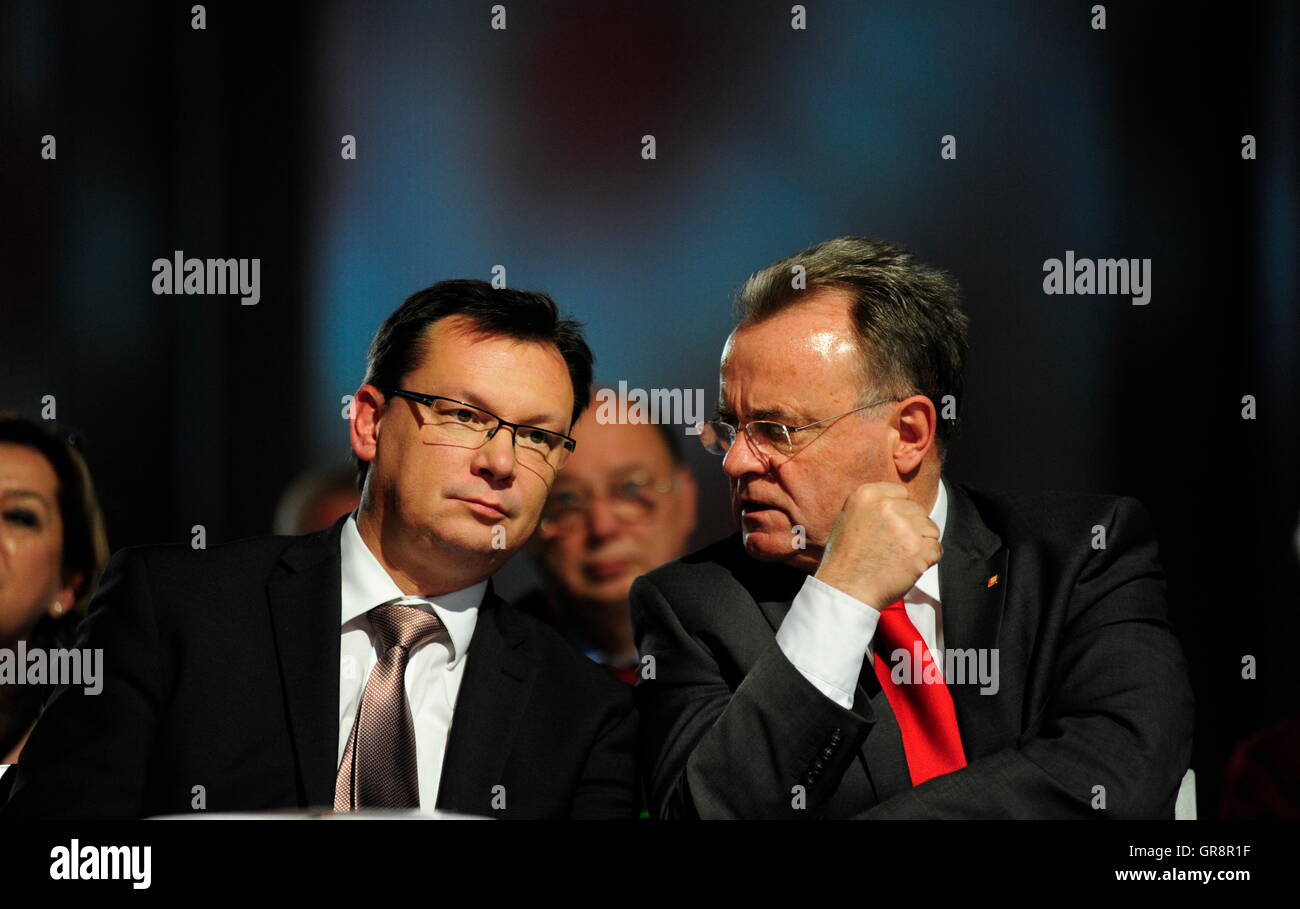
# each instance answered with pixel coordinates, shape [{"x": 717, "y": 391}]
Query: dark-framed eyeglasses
[
  {"x": 453, "y": 422},
  {"x": 767, "y": 436},
  {"x": 631, "y": 499}
]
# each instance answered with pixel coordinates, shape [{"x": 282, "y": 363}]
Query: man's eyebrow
[
  {"x": 537, "y": 421},
  {"x": 762, "y": 413},
  {"x": 541, "y": 421},
  {"x": 774, "y": 413},
  {"x": 631, "y": 469}
]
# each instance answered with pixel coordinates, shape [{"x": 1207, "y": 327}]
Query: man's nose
[
  {"x": 741, "y": 459},
  {"x": 496, "y": 457},
  {"x": 601, "y": 521}
]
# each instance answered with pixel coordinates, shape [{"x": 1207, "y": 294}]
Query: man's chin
[
  {"x": 766, "y": 546},
  {"x": 607, "y": 590},
  {"x": 471, "y": 538}
]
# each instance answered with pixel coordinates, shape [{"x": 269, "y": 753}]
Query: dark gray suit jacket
[
  {"x": 1094, "y": 688},
  {"x": 222, "y": 671}
]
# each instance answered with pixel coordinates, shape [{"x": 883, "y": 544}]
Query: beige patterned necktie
[{"x": 378, "y": 768}]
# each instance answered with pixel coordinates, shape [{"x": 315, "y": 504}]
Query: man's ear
[
  {"x": 363, "y": 421},
  {"x": 917, "y": 423}
]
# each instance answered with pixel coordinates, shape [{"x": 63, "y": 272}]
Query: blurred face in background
[
  {"x": 619, "y": 508},
  {"x": 329, "y": 507},
  {"x": 31, "y": 543}
]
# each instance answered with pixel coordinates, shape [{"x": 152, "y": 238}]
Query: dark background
[{"x": 522, "y": 148}]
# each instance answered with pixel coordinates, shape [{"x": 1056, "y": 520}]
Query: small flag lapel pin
[{"x": 992, "y": 581}]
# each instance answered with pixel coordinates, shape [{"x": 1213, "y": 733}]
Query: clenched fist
[{"x": 882, "y": 542}]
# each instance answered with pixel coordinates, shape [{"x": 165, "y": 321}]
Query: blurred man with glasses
[
  {"x": 625, "y": 504},
  {"x": 880, "y": 640},
  {"x": 370, "y": 665}
]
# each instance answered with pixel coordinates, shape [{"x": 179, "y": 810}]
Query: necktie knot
[
  {"x": 894, "y": 628},
  {"x": 403, "y": 625}
]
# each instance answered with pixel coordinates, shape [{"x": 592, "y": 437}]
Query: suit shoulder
[
  {"x": 1030, "y": 515},
  {"x": 251, "y": 556}
]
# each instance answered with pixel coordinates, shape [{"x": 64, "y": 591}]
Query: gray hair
[{"x": 907, "y": 316}]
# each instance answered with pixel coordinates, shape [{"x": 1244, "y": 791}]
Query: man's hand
[{"x": 881, "y": 543}]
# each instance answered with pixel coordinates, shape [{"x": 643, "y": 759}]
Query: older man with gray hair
[{"x": 880, "y": 640}]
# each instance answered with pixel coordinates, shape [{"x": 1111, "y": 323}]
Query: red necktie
[
  {"x": 626, "y": 674},
  {"x": 925, "y": 714}
]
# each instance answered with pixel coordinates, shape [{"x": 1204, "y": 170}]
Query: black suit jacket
[
  {"x": 1093, "y": 692},
  {"x": 222, "y": 671}
]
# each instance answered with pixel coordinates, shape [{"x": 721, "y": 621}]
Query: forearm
[{"x": 775, "y": 748}]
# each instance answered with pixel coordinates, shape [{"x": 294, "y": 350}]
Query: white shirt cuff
[{"x": 825, "y": 635}]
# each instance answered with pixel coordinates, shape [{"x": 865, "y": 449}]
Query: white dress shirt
[
  {"x": 827, "y": 633},
  {"x": 435, "y": 668}
]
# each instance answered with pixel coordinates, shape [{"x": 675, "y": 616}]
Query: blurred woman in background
[{"x": 52, "y": 552}]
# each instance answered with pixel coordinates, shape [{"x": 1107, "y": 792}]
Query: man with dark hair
[
  {"x": 881, "y": 641},
  {"x": 402, "y": 342},
  {"x": 369, "y": 665}
]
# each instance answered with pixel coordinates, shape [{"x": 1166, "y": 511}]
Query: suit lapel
[
  {"x": 973, "y": 580},
  {"x": 305, "y": 596},
  {"x": 498, "y": 681}
]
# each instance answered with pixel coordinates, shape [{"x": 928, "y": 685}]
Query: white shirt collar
[
  {"x": 928, "y": 583},
  {"x": 366, "y": 585}
]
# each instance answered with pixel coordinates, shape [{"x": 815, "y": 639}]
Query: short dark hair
[
  {"x": 907, "y": 316},
  {"x": 401, "y": 342}
]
